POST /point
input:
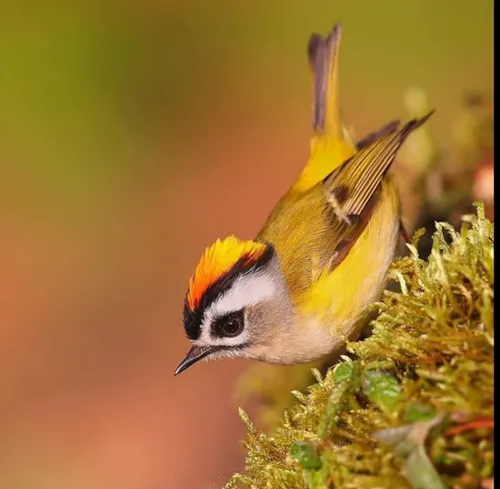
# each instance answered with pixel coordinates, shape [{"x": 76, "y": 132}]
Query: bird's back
[
  {"x": 298, "y": 235},
  {"x": 300, "y": 230},
  {"x": 336, "y": 239}
]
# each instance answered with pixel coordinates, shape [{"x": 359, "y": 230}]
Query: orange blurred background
[{"x": 131, "y": 136}]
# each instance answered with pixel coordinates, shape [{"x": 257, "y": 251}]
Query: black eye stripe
[
  {"x": 194, "y": 318},
  {"x": 229, "y": 325}
]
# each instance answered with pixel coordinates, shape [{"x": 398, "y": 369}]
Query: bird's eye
[
  {"x": 232, "y": 328},
  {"x": 229, "y": 326}
]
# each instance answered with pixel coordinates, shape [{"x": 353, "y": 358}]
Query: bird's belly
[{"x": 321, "y": 341}]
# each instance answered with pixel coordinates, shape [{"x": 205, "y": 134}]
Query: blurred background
[{"x": 132, "y": 134}]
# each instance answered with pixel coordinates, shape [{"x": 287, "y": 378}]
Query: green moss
[{"x": 412, "y": 405}]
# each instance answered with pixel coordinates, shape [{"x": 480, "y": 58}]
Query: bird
[{"x": 301, "y": 288}]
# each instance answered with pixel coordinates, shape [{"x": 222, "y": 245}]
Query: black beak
[{"x": 196, "y": 353}]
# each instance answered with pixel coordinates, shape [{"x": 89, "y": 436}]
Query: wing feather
[
  {"x": 363, "y": 173},
  {"x": 352, "y": 191}
]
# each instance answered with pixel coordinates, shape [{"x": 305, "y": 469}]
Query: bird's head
[{"x": 235, "y": 302}]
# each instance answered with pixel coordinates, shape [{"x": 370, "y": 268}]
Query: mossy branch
[{"x": 413, "y": 407}]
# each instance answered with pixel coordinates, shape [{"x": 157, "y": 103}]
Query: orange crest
[{"x": 218, "y": 259}]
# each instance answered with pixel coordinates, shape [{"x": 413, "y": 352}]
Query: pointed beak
[{"x": 195, "y": 354}]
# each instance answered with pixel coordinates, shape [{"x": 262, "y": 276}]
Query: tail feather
[{"x": 323, "y": 59}]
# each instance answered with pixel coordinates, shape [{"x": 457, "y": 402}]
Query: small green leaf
[
  {"x": 343, "y": 376},
  {"x": 382, "y": 389},
  {"x": 306, "y": 454},
  {"x": 343, "y": 372},
  {"x": 314, "y": 479},
  {"x": 419, "y": 412}
]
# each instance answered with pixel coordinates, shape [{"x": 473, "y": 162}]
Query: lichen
[{"x": 411, "y": 406}]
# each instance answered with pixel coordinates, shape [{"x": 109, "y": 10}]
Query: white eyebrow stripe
[{"x": 246, "y": 291}]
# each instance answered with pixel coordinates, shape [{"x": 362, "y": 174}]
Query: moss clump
[{"x": 412, "y": 405}]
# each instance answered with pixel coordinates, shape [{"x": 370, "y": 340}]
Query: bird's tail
[{"x": 324, "y": 59}]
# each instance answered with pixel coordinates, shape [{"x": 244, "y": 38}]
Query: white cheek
[{"x": 246, "y": 291}]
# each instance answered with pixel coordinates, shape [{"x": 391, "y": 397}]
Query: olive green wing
[{"x": 352, "y": 190}]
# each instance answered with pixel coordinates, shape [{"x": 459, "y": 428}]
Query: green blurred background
[{"x": 131, "y": 135}]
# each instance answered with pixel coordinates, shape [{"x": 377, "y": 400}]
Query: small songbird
[{"x": 300, "y": 290}]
